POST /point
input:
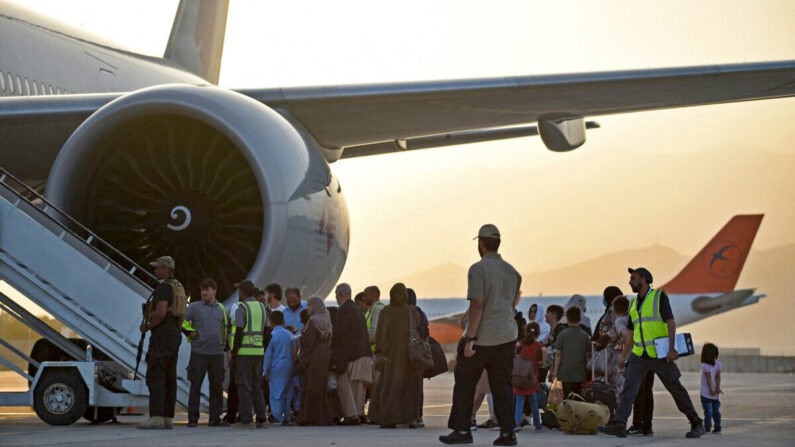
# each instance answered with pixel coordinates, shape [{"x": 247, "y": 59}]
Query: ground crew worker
[
  {"x": 489, "y": 342},
  {"x": 206, "y": 325},
  {"x": 232, "y": 402},
  {"x": 250, "y": 320},
  {"x": 163, "y": 316},
  {"x": 650, "y": 318}
]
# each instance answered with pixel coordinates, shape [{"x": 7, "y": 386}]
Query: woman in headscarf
[
  {"x": 398, "y": 390},
  {"x": 579, "y": 301},
  {"x": 313, "y": 364},
  {"x": 538, "y": 313},
  {"x": 423, "y": 330}
]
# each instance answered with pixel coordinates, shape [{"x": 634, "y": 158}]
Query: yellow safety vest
[
  {"x": 648, "y": 324},
  {"x": 251, "y": 343},
  {"x": 369, "y": 318}
]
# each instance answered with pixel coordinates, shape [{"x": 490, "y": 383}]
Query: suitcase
[{"x": 601, "y": 392}]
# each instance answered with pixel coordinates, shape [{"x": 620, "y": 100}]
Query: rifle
[{"x": 144, "y": 311}]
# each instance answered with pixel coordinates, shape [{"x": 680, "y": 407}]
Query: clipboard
[{"x": 683, "y": 343}]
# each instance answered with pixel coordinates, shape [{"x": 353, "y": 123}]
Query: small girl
[
  {"x": 710, "y": 386},
  {"x": 529, "y": 348}
]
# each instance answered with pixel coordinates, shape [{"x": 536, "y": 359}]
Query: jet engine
[{"x": 225, "y": 185}]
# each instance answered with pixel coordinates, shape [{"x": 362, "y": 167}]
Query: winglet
[
  {"x": 197, "y": 37},
  {"x": 717, "y": 266}
]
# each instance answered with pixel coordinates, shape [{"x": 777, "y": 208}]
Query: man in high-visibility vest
[
  {"x": 206, "y": 327},
  {"x": 650, "y": 318},
  {"x": 250, "y": 320}
]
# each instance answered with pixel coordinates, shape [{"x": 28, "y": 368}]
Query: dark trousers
[
  {"x": 643, "y": 408},
  {"x": 201, "y": 365},
  {"x": 249, "y": 388},
  {"x": 265, "y": 387},
  {"x": 498, "y": 362},
  {"x": 161, "y": 379},
  {"x": 637, "y": 368},
  {"x": 232, "y": 402}
]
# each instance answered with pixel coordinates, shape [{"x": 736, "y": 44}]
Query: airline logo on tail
[
  {"x": 718, "y": 265},
  {"x": 724, "y": 262}
]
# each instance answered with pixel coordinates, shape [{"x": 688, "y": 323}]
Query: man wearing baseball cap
[
  {"x": 650, "y": 318},
  {"x": 164, "y": 341},
  {"x": 488, "y": 343}
]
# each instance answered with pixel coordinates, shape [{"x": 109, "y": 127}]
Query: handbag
[
  {"x": 439, "y": 360},
  {"x": 420, "y": 356}
]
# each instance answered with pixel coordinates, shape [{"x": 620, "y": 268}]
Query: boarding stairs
[{"x": 78, "y": 278}]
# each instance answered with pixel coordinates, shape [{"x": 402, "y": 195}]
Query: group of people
[
  {"x": 559, "y": 342},
  {"x": 302, "y": 363},
  {"x": 318, "y": 365}
]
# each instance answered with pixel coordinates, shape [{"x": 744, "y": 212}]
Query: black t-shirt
[
  {"x": 665, "y": 309},
  {"x": 166, "y": 336}
]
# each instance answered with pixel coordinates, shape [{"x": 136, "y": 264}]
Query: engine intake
[{"x": 205, "y": 175}]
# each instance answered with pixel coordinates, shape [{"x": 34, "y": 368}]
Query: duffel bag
[{"x": 578, "y": 417}]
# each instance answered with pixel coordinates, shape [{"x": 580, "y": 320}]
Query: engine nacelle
[{"x": 213, "y": 178}]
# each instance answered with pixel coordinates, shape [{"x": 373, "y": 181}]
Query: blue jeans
[
  {"x": 711, "y": 412},
  {"x": 533, "y": 406}
]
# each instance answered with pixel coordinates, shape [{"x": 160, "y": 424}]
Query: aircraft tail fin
[
  {"x": 197, "y": 37},
  {"x": 717, "y": 267}
]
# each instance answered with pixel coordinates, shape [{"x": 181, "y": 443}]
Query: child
[
  {"x": 529, "y": 348},
  {"x": 710, "y": 386},
  {"x": 277, "y": 368},
  {"x": 572, "y": 346}
]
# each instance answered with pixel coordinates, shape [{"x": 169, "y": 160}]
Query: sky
[{"x": 642, "y": 179}]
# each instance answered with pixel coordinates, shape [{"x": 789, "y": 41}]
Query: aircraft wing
[
  {"x": 379, "y": 118},
  {"x": 360, "y": 115}
]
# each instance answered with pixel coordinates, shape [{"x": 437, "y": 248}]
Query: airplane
[
  {"x": 154, "y": 157},
  {"x": 703, "y": 288}
]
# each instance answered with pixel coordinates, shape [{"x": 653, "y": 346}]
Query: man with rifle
[{"x": 163, "y": 316}]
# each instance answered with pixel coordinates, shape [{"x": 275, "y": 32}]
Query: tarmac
[{"x": 758, "y": 410}]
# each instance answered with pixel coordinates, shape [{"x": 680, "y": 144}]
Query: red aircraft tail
[{"x": 717, "y": 266}]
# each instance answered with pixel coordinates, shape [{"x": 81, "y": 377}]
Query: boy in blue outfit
[{"x": 277, "y": 368}]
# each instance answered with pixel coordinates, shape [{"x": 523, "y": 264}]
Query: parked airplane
[
  {"x": 152, "y": 156},
  {"x": 705, "y": 287}
]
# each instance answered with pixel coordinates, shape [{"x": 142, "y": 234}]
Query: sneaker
[
  {"x": 506, "y": 439},
  {"x": 473, "y": 425},
  {"x": 456, "y": 437},
  {"x": 517, "y": 429},
  {"x": 420, "y": 423},
  {"x": 242, "y": 425},
  {"x": 696, "y": 430},
  {"x": 221, "y": 423},
  {"x": 153, "y": 423},
  {"x": 634, "y": 431},
  {"x": 262, "y": 424},
  {"x": 525, "y": 422},
  {"x": 716, "y": 431},
  {"x": 539, "y": 428},
  {"x": 192, "y": 424},
  {"x": 613, "y": 430}
]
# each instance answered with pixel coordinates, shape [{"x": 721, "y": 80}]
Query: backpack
[
  {"x": 524, "y": 376},
  {"x": 179, "y": 302}
]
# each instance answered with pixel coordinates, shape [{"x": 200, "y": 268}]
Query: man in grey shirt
[
  {"x": 206, "y": 325},
  {"x": 489, "y": 342}
]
